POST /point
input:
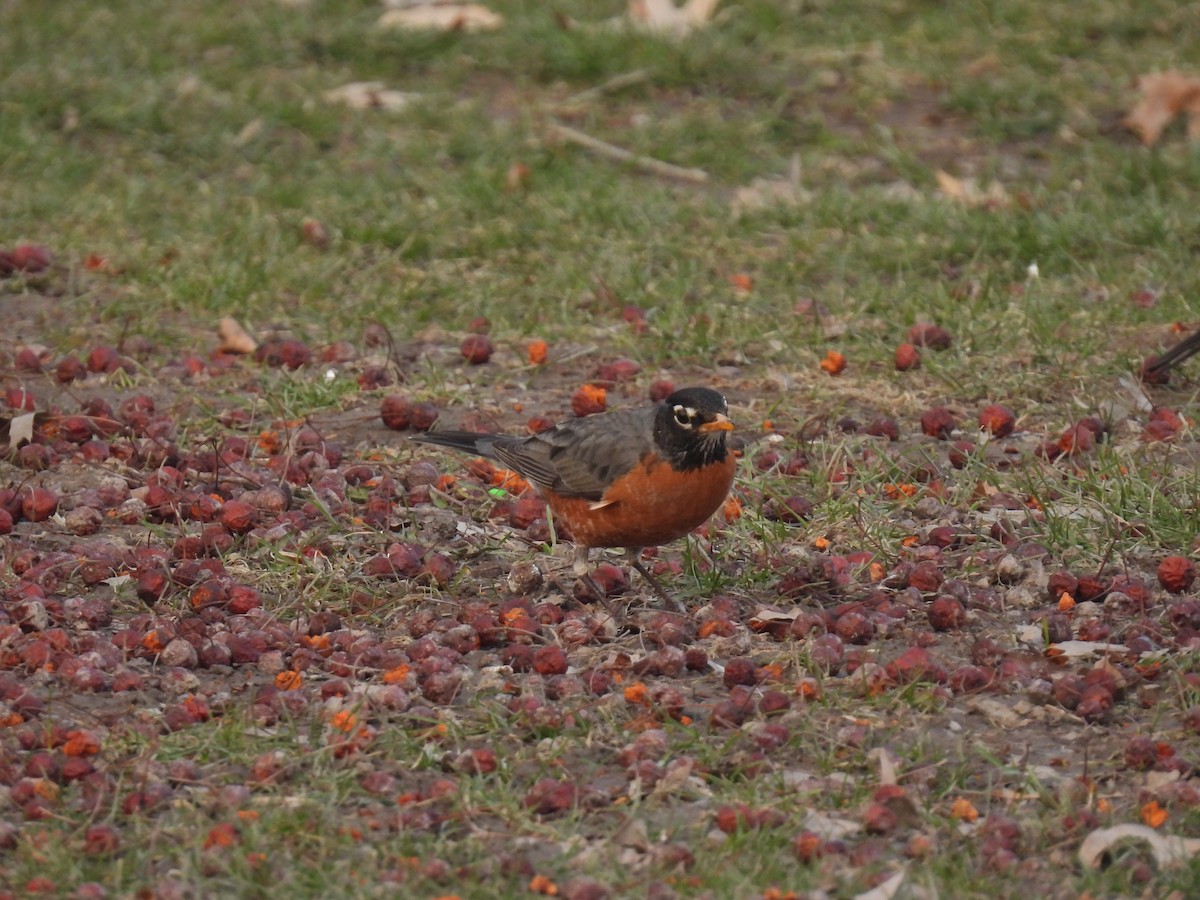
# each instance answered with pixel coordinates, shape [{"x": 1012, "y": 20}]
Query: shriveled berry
[
  {"x": 238, "y": 516},
  {"x": 396, "y": 412},
  {"x": 997, "y": 419},
  {"x": 39, "y": 504},
  {"x": 660, "y": 390},
  {"x": 739, "y": 670},
  {"x": 1060, "y": 583},
  {"x": 618, "y": 370},
  {"x": 926, "y": 334},
  {"x": 907, "y": 358},
  {"x": 1095, "y": 702},
  {"x": 69, "y": 369},
  {"x": 1176, "y": 573},
  {"x": 423, "y": 415},
  {"x": 588, "y": 400},
  {"x": 885, "y": 426},
  {"x": 31, "y": 258},
  {"x": 926, "y": 577},
  {"x": 946, "y": 613},
  {"x": 285, "y": 353},
  {"x": 855, "y": 628},
  {"x": 938, "y": 422},
  {"x": 549, "y": 661},
  {"x": 476, "y": 349}
]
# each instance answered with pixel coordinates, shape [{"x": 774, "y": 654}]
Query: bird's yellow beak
[{"x": 720, "y": 423}]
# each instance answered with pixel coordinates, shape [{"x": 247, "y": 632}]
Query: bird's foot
[{"x": 635, "y": 559}]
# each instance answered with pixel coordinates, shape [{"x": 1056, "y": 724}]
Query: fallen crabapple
[
  {"x": 618, "y": 370},
  {"x": 938, "y": 422},
  {"x": 1176, "y": 573},
  {"x": 925, "y": 334},
  {"x": 997, "y": 419},
  {"x": 907, "y": 358},
  {"x": 661, "y": 389},
  {"x": 423, "y": 415},
  {"x": 476, "y": 349},
  {"x": 31, "y": 258},
  {"x": 589, "y": 399}
]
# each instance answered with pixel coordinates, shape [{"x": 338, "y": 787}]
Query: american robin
[
  {"x": 632, "y": 479},
  {"x": 1189, "y": 346}
]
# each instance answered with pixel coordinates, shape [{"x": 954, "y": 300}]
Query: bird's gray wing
[{"x": 582, "y": 457}]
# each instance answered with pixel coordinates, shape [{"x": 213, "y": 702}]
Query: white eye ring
[{"x": 683, "y": 415}]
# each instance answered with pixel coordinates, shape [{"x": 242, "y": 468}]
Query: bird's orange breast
[{"x": 647, "y": 506}]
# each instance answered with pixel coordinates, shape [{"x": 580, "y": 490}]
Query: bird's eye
[{"x": 683, "y": 415}]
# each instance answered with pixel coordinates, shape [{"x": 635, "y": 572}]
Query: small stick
[
  {"x": 620, "y": 154},
  {"x": 616, "y": 83}
]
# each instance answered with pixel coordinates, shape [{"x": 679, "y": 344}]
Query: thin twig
[
  {"x": 616, "y": 83},
  {"x": 619, "y": 154}
]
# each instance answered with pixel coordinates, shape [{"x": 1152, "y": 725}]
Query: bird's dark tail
[
  {"x": 1189, "y": 346},
  {"x": 465, "y": 441}
]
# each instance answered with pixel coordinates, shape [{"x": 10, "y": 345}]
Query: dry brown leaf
[
  {"x": 886, "y": 889},
  {"x": 234, "y": 338},
  {"x": 442, "y": 17},
  {"x": 966, "y": 191},
  {"x": 680, "y": 780},
  {"x": 888, "y": 773},
  {"x": 370, "y": 95},
  {"x": 249, "y": 132},
  {"x": 18, "y": 430},
  {"x": 762, "y": 193},
  {"x": 765, "y": 616},
  {"x": 1082, "y": 649},
  {"x": 664, "y": 17},
  {"x": 661, "y": 17},
  {"x": 633, "y": 833},
  {"x": 997, "y": 713},
  {"x": 828, "y": 827},
  {"x": 1168, "y": 850},
  {"x": 1165, "y": 95}
]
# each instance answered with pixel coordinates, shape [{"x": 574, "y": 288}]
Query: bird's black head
[{"x": 690, "y": 427}]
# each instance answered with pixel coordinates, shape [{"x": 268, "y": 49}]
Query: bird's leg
[
  {"x": 634, "y": 555},
  {"x": 583, "y": 572},
  {"x": 579, "y": 560},
  {"x": 579, "y": 564}
]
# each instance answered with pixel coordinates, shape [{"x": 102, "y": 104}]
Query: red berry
[
  {"x": 589, "y": 399},
  {"x": 395, "y": 411},
  {"x": 938, "y": 422},
  {"x": 549, "y": 661},
  {"x": 476, "y": 349},
  {"x": 739, "y": 670},
  {"x": 238, "y": 516},
  {"x": 1176, "y": 573},
  {"x": 39, "y": 504},
  {"x": 617, "y": 370},
  {"x": 660, "y": 390},
  {"x": 31, "y": 257},
  {"x": 423, "y": 416},
  {"x": 997, "y": 419},
  {"x": 925, "y": 334},
  {"x": 907, "y": 358},
  {"x": 946, "y": 613}
]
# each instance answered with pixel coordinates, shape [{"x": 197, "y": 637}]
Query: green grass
[{"x": 138, "y": 145}]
